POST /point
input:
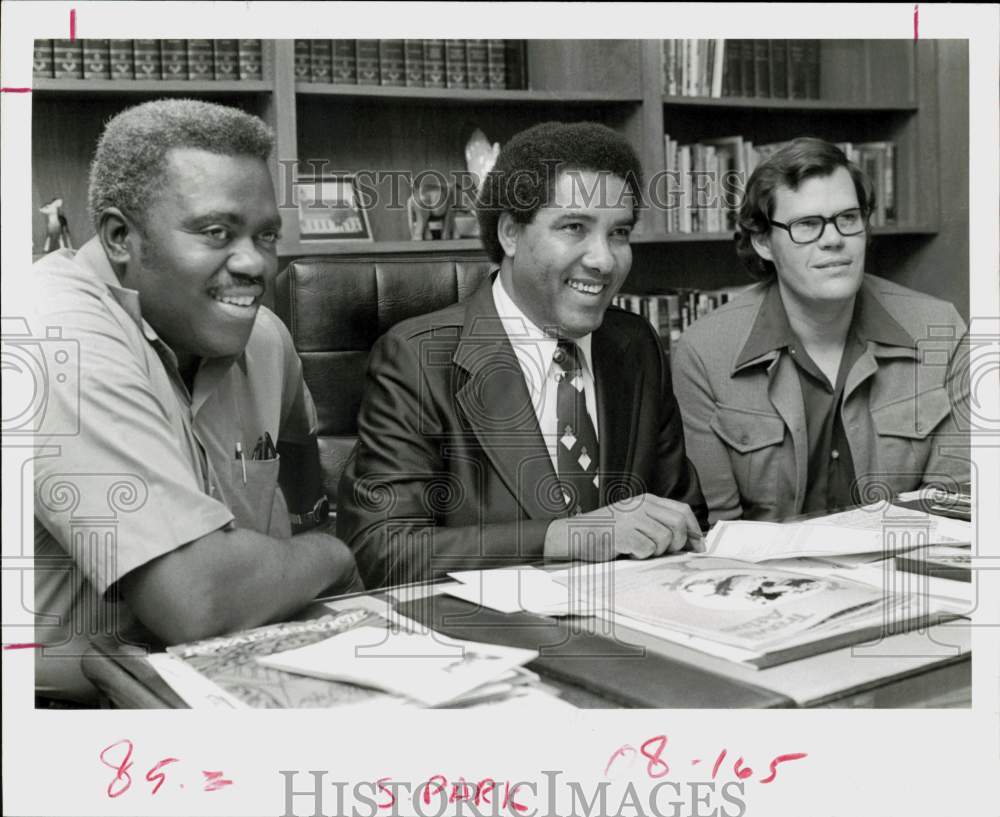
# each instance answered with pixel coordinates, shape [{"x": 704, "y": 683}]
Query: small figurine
[
  {"x": 480, "y": 156},
  {"x": 429, "y": 209},
  {"x": 57, "y": 235}
]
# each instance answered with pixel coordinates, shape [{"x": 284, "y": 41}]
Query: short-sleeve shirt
[{"x": 130, "y": 465}]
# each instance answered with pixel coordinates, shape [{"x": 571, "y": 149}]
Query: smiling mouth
[
  {"x": 243, "y": 300},
  {"x": 833, "y": 264},
  {"x": 586, "y": 287}
]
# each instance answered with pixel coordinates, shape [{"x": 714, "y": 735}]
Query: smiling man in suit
[{"x": 530, "y": 422}]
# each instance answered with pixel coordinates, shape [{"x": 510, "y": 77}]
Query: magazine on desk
[{"x": 757, "y": 614}]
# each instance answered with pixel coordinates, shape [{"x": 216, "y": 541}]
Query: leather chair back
[{"x": 336, "y": 309}]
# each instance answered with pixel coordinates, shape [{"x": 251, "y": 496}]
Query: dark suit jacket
[{"x": 450, "y": 471}]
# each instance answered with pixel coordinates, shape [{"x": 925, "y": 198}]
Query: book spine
[
  {"x": 147, "y": 59},
  {"x": 796, "y": 69},
  {"x": 517, "y": 65},
  {"x": 226, "y": 58},
  {"x": 42, "y": 64},
  {"x": 779, "y": 69},
  {"x": 67, "y": 59},
  {"x": 391, "y": 62},
  {"x": 120, "y": 56},
  {"x": 413, "y": 54},
  {"x": 303, "y": 61},
  {"x": 731, "y": 82},
  {"x": 201, "y": 59},
  {"x": 367, "y": 59},
  {"x": 747, "y": 71},
  {"x": 477, "y": 64},
  {"x": 96, "y": 60},
  {"x": 812, "y": 68},
  {"x": 320, "y": 61},
  {"x": 496, "y": 64},
  {"x": 670, "y": 67},
  {"x": 345, "y": 62},
  {"x": 251, "y": 59},
  {"x": 455, "y": 64},
  {"x": 173, "y": 54},
  {"x": 434, "y": 76},
  {"x": 762, "y": 60},
  {"x": 889, "y": 187}
]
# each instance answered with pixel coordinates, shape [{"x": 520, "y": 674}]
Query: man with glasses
[{"x": 821, "y": 386}]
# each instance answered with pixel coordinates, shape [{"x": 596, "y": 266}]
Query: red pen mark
[
  {"x": 215, "y": 781},
  {"x": 654, "y": 758},
  {"x": 508, "y": 797},
  {"x": 156, "y": 777},
  {"x": 440, "y": 787},
  {"x": 122, "y": 780},
  {"x": 916, "y": 21},
  {"x": 392, "y": 797},
  {"x": 741, "y": 773},
  {"x": 21, "y": 646},
  {"x": 483, "y": 788},
  {"x": 619, "y": 752},
  {"x": 7, "y": 90},
  {"x": 696, "y": 761},
  {"x": 781, "y": 759},
  {"x": 718, "y": 763},
  {"x": 72, "y": 24}
]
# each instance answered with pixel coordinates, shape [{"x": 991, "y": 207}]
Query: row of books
[
  {"x": 477, "y": 64},
  {"x": 781, "y": 69},
  {"x": 673, "y": 311},
  {"x": 149, "y": 59},
  {"x": 706, "y": 180}
]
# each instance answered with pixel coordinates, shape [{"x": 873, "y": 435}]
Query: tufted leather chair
[{"x": 336, "y": 309}]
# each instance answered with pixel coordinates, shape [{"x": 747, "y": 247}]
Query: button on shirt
[
  {"x": 533, "y": 350},
  {"x": 151, "y": 467}
]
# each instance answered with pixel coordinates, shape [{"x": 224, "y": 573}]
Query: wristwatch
[{"x": 319, "y": 513}]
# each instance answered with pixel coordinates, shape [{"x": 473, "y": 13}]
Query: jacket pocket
[
  {"x": 912, "y": 418},
  {"x": 754, "y": 440}
]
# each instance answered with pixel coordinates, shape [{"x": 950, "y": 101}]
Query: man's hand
[{"x": 641, "y": 526}]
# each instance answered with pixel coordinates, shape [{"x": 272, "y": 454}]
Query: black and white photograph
[{"x": 596, "y": 420}]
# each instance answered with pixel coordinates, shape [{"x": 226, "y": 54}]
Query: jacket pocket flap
[
  {"x": 747, "y": 431},
  {"x": 913, "y": 418}
]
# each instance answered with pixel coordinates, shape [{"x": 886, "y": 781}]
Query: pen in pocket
[{"x": 242, "y": 459}]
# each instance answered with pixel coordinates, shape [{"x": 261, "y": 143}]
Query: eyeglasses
[{"x": 807, "y": 229}]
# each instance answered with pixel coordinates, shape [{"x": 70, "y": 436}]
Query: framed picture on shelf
[{"x": 330, "y": 209}]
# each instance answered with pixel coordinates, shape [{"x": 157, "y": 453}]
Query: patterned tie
[{"x": 577, "y": 440}]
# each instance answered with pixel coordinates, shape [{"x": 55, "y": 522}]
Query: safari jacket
[{"x": 745, "y": 425}]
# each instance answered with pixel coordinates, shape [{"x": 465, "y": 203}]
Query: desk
[{"x": 917, "y": 669}]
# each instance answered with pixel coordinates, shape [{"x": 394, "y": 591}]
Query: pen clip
[{"x": 242, "y": 459}]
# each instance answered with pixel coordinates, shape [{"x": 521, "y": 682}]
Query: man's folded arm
[{"x": 230, "y": 580}]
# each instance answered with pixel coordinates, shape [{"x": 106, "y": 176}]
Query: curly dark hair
[
  {"x": 800, "y": 159},
  {"x": 130, "y": 162},
  {"x": 528, "y": 165}
]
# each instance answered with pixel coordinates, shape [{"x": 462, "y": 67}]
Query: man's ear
[
  {"x": 762, "y": 244},
  {"x": 117, "y": 235},
  {"x": 508, "y": 232}
]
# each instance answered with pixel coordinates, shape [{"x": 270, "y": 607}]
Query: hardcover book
[
  {"x": 517, "y": 64},
  {"x": 173, "y": 54},
  {"x": 147, "y": 59},
  {"x": 762, "y": 63},
  {"x": 303, "y": 61},
  {"x": 414, "y": 59},
  {"x": 251, "y": 59},
  {"x": 798, "y": 86},
  {"x": 345, "y": 62},
  {"x": 41, "y": 59},
  {"x": 391, "y": 62},
  {"x": 496, "y": 64},
  {"x": 748, "y": 71},
  {"x": 367, "y": 57},
  {"x": 96, "y": 59},
  {"x": 227, "y": 59},
  {"x": 779, "y": 69},
  {"x": 320, "y": 61},
  {"x": 120, "y": 54},
  {"x": 434, "y": 75},
  {"x": 477, "y": 64},
  {"x": 201, "y": 59},
  {"x": 68, "y": 59},
  {"x": 456, "y": 64}
]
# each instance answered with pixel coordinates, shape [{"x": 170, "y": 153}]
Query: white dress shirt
[{"x": 533, "y": 350}]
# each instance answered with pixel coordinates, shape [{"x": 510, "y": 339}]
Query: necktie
[{"x": 577, "y": 442}]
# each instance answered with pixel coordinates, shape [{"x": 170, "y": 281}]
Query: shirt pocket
[
  {"x": 754, "y": 441},
  {"x": 903, "y": 432},
  {"x": 253, "y": 501}
]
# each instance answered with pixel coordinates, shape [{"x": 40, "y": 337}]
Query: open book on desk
[{"x": 757, "y": 614}]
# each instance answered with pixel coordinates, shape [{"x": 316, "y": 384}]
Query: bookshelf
[{"x": 870, "y": 90}]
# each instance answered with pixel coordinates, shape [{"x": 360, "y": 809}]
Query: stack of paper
[{"x": 511, "y": 590}]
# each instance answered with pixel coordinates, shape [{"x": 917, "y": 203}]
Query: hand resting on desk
[{"x": 640, "y": 526}]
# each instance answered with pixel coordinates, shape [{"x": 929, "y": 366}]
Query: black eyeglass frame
[{"x": 863, "y": 221}]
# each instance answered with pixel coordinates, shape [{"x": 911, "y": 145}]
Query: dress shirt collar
[{"x": 523, "y": 333}]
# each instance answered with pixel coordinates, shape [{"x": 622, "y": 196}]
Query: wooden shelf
[
  {"x": 768, "y": 103},
  {"x": 463, "y": 95},
  {"x": 92, "y": 87},
  {"x": 695, "y": 238},
  {"x": 398, "y": 248}
]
